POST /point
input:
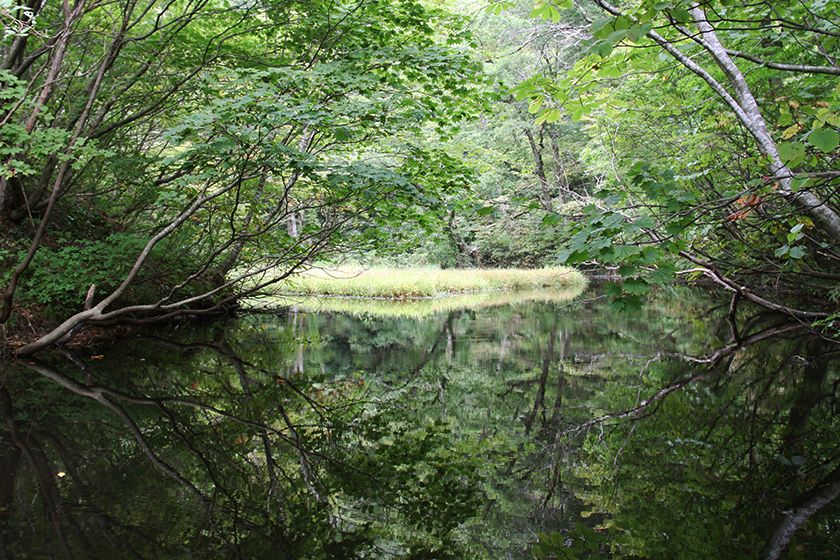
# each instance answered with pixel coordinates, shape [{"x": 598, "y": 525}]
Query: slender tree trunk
[
  {"x": 59, "y": 51},
  {"x": 292, "y": 226},
  {"x": 747, "y": 111},
  {"x": 753, "y": 120},
  {"x": 233, "y": 256},
  {"x": 539, "y": 168},
  {"x": 560, "y": 178},
  {"x": 65, "y": 169}
]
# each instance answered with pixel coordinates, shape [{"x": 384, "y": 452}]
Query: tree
[
  {"x": 719, "y": 169},
  {"x": 216, "y": 132}
]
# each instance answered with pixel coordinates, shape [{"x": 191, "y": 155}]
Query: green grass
[
  {"x": 417, "y": 308},
  {"x": 413, "y": 283}
]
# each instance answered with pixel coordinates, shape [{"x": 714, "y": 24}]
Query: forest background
[{"x": 166, "y": 159}]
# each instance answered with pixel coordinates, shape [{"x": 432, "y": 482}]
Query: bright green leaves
[
  {"x": 791, "y": 250},
  {"x": 609, "y": 32},
  {"x": 535, "y": 104},
  {"x": 639, "y": 104},
  {"x": 499, "y": 6},
  {"x": 796, "y": 252},
  {"x": 662, "y": 187},
  {"x": 536, "y": 89},
  {"x": 810, "y": 128},
  {"x": 681, "y": 15},
  {"x": 824, "y": 139},
  {"x": 550, "y": 9},
  {"x": 637, "y": 32},
  {"x": 549, "y": 115},
  {"x": 792, "y": 153},
  {"x": 642, "y": 247},
  {"x": 13, "y": 88},
  {"x": 544, "y": 97},
  {"x": 614, "y": 240},
  {"x": 18, "y": 148},
  {"x": 621, "y": 253}
]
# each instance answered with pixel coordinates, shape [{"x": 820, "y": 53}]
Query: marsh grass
[
  {"x": 418, "y": 308},
  {"x": 414, "y": 283}
]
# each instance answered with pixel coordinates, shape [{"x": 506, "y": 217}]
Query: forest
[{"x": 420, "y": 279}]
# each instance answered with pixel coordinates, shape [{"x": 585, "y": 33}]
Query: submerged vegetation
[{"x": 425, "y": 282}]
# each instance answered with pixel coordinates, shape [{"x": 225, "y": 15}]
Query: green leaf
[
  {"x": 637, "y": 32},
  {"x": 624, "y": 251},
  {"x": 791, "y": 152},
  {"x": 551, "y": 219},
  {"x": 600, "y": 24},
  {"x": 616, "y": 37},
  {"x": 824, "y": 139},
  {"x": 797, "y": 252},
  {"x": 681, "y": 15},
  {"x": 635, "y": 286},
  {"x": 799, "y": 183},
  {"x": 549, "y": 115}
]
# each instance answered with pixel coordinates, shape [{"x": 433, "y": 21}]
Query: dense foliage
[
  {"x": 176, "y": 154},
  {"x": 708, "y": 134},
  {"x": 162, "y": 159},
  {"x": 204, "y": 149}
]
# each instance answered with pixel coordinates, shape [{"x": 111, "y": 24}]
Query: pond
[{"x": 554, "y": 428}]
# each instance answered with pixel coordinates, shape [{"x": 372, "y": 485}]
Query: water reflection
[{"x": 547, "y": 429}]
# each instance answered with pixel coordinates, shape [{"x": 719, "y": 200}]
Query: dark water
[{"x": 534, "y": 430}]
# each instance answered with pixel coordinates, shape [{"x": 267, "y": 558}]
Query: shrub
[{"x": 60, "y": 277}]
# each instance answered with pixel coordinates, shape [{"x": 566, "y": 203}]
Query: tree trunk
[
  {"x": 560, "y": 178},
  {"x": 539, "y": 169},
  {"x": 746, "y": 110},
  {"x": 753, "y": 120}
]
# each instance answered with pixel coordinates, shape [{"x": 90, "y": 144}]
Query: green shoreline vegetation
[
  {"x": 406, "y": 132},
  {"x": 301, "y": 277},
  {"x": 424, "y": 282}
]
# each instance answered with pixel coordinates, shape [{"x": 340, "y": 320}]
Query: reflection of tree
[
  {"x": 272, "y": 464},
  {"x": 712, "y": 449},
  {"x": 462, "y": 435},
  {"x": 800, "y": 511},
  {"x": 108, "y": 398},
  {"x": 810, "y": 393}
]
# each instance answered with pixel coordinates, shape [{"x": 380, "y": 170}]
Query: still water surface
[{"x": 511, "y": 429}]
